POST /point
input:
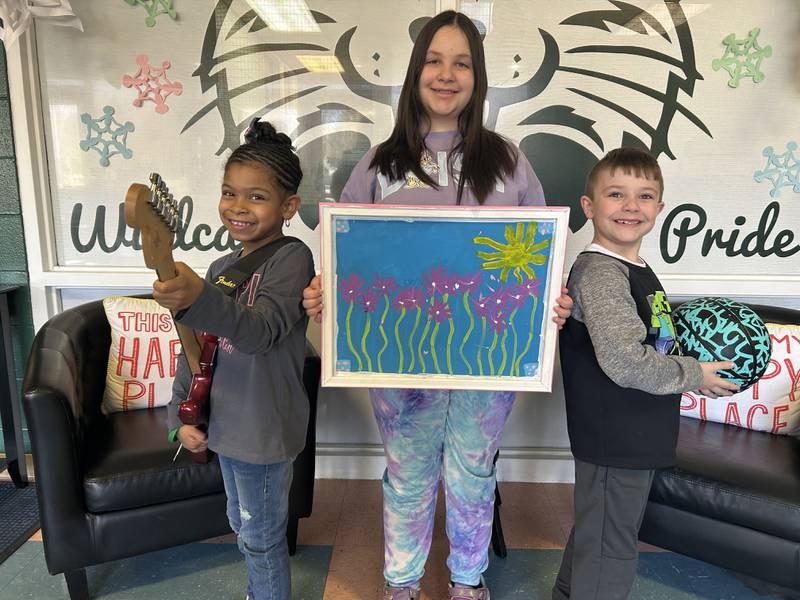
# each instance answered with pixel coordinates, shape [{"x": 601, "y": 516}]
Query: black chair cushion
[
  {"x": 129, "y": 465},
  {"x": 747, "y": 478}
]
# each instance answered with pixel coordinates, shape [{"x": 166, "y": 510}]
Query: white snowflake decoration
[{"x": 17, "y": 16}]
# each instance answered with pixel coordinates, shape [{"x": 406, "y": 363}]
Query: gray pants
[{"x": 600, "y": 557}]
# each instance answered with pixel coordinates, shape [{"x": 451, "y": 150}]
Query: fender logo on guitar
[{"x": 221, "y": 280}]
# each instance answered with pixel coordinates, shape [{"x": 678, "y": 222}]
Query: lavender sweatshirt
[{"x": 367, "y": 186}]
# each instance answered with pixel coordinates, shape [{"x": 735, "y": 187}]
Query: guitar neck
[
  {"x": 153, "y": 212},
  {"x": 190, "y": 341},
  {"x": 190, "y": 345},
  {"x": 165, "y": 269}
]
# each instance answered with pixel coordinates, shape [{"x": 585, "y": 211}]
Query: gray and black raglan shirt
[
  {"x": 259, "y": 407},
  {"x": 623, "y": 372}
]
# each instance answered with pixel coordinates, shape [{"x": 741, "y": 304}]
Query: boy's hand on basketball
[
  {"x": 312, "y": 299},
  {"x": 563, "y": 307},
  {"x": 179, "y": 292},
  {"x": 192, "y": 438},
  {"x": 713, "y": 385}
]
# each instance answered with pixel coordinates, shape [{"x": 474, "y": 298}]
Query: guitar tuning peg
[
  {"x": 173, "y": 215},
  {"x": 170, "y": 217}
]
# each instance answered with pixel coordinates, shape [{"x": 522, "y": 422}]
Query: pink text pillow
[
  {"x": 772, "y": 404},
  {"x": 143, "y": 354}
]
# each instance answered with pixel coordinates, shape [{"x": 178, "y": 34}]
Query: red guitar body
[{"x": 195, "y": 409}]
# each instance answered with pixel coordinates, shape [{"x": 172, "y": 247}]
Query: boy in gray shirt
[{"x": 623, "y": 378}]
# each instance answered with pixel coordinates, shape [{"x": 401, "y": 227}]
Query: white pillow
[
  {"x": 143, "y": 354},
  {"x": 772, "y": 404}
]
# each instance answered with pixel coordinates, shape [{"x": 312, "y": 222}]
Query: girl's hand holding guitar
[
  {"x": 192, "y": 438},
  {"x": 179, "y": 292}
]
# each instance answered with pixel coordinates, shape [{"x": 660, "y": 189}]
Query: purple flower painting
[{"x": 452, "y": 298}]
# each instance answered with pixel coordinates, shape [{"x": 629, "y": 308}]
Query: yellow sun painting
[{"x": 517, "y": 255}]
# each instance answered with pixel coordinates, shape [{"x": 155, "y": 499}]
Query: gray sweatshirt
[
  {"x": 600, "y": 287},
  {"x": 259, "y": 407},
  {"x": 623, "y": 372}
]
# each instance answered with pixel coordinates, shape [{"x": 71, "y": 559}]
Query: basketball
[{"x": 712, "y": 329}]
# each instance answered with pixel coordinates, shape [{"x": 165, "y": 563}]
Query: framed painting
[{"x": 440, "y": 297}]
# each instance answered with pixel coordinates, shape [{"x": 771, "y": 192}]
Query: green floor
[
  {"x": 191, "y": 572},
  {"x": 529, "y": 575},
  {"x": 217, "y": 572}
]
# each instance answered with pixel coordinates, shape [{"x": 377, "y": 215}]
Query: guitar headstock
[{"x": 153, "y": 211}]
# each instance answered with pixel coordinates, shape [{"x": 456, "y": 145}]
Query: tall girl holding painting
[{"x": 439, "y": 153}]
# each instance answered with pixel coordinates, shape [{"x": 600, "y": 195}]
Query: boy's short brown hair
[{"x": 632, "y": 161}]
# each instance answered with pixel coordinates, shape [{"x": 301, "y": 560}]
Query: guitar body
[{"x": 195, "y": 409}]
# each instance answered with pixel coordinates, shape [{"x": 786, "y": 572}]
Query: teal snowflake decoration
[
  {"x": 742, "y": 58},
  {"x": 782, "y": 170},
  {"x": 106, "y": 146},
  {"x": 155, "y": 8}
]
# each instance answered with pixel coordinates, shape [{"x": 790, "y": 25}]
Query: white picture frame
[{"x": 440, "y": 297}]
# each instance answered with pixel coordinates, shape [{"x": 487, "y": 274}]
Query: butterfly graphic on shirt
[
  {"x": 429, "y": 165},
  {"x": 567, "y": 82}
]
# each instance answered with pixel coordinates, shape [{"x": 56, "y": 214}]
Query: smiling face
[
  {"x": 447, "y": 81},
  {"x": 623, "y": 209},
  {"x": 252, "y": 207}
]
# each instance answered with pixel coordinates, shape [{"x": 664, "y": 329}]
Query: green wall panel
[
  {"x": 6, "y": 139},
  {"x": 9, "y": 198},
  {"x": 13, "y": 263},
  {"x": 12, "y": 243}
]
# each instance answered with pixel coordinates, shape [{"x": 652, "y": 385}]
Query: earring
[{"x": 286, "y": 222}]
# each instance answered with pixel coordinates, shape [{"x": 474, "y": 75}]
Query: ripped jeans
[{"x": 258, "y": 509}]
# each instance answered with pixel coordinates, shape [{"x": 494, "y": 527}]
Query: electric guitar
[
  {"x": 153, "y": 211},
  {"x": 195, "y": 409}
]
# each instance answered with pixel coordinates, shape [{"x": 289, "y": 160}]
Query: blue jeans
[{"x": 258, "y": 511}]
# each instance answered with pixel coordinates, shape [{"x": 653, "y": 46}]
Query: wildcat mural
[{"x": 584, "y": 103}]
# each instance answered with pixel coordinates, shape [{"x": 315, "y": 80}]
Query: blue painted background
[{"x": 406, "y": 251}]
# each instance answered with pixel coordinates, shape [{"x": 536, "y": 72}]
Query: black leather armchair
[
  {"x": 733, "y": 499},
  {"x": 107, "y": 485}
]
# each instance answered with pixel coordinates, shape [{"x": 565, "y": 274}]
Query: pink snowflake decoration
[{"x": 152, "y": 84}]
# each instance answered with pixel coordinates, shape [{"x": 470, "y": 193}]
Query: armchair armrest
[
  {"x": 59, "y": 475},
  {"x": 62, "y": 393}
]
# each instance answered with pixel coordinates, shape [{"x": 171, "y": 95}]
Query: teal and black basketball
[{"x": 712, "y": 329}]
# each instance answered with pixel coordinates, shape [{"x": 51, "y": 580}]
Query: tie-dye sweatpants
[{"x": 432, "y": 433}]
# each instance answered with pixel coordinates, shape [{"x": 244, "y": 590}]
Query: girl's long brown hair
[{"x": 486, "y": 156}]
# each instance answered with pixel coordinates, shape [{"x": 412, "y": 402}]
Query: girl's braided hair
[{"x": 263, "y": 145}]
